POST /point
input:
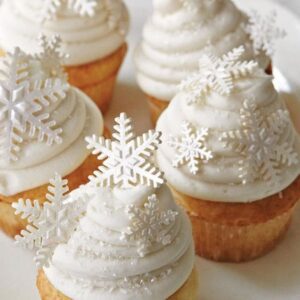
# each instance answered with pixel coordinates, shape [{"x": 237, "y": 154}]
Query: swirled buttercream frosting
[
  {"x": 99, "y": 263},
  {"x": 43, "y": 122},
  {"x": 176, "y": 35},
  {"x": 231, "y": 147},
  {"x": 85, "y": 38}
]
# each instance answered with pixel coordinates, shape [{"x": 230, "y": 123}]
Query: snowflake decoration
[
  {"x": 116, "y": 17},
  {"x": 263, "y": 142},
  {"x": 51, "y": 224},
  {"x": 263, "y": 32},
  {"x": 127, "y": 160},
  {"x": 22, "y": 101},
  {"x": 51, "y": 8},
  {"x": 51, "y": 57},
  {"x": 191, "y": 147},
  {"x": 149, "y": 225},
  {"x": 217, "y": 74}
]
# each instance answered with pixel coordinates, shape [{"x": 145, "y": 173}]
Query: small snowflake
[
  {"x": 126, "y": 159},
  {"x": 51, "y": 56},
  {"x": 22, "y": 104},
  {"x": 51, "y": 8},
  {"x": 191, "y": 147},
  {"x": 149, "y": 225},
  {"x": 51, "y": 224},
  {"x": 263, "y": 32},
  {"x": 263, "y": 142},
  {"x": 217, "y": 74},
  {"x": 116, "y": 17}
]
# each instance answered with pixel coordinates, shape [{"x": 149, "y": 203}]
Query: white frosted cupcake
[
  {"x": 178, "y": 33},
  {"x": 122, "y": 236},
  {"x": 231, "y": 156},
  {"x": 93, "y": 34},
  {"x": 43, "y": 125}
]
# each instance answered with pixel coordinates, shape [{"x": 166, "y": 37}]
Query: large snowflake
[
  {"x": 51, "y": 8},
  {"x": 263, "y": 32},
  {"x": 216, "y": 73},
  {"x": 51, "y": 56},
  {"x": 22, "y": 102},
  {"x": 149, "y": 225},
  {"x": 264, "y": 143},
  {"x": 191, "y": 147},
  {"x": 50, "y": 224},
  {"x": 127, "y": 159}
]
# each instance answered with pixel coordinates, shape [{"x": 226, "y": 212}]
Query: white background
[{"x": 273, "y": 277}]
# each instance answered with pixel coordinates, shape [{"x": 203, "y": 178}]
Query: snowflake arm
[
  {"x": 83, "y": 7},
  {"x": 126, "y": 159},
  {"x": 149, "y": 225},
  {"x": 217, "y": 73},
  {"x": 263, "y": 32},
  {"x": 51, "y": 223},
  {"x": 49, "y": 10},
  {"x": 191, "y": 147}
]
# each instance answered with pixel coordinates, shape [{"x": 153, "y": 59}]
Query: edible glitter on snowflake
[
  {"x": 263, "y": 32},
  {"x": 264, "y": 142},
  {"x": 22, "y": 102},
  {"x": 51, "y": 56},
  {"x": 51, "y": 8},
  {"x": 149, "y": 225},
  {"x": 191, "y": 147},
  {"x": 127, "y": 159},
  {"x": 217, "y": 73},
  {"x": 51, "y": 224}
]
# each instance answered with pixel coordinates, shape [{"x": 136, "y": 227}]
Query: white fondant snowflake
[
  {"x": 50, "y": 224},
  {"x": 51, "y": 8},
  {"x": 216, "y": 73},
  {"x": 191, "y": 147},
  {"x": 263, "y": 32},
  {"x": 149, "y": 225},
  {"x": 51, "y": 56},
  {"x": 22, "y": 103},
  {"x": 264, "y": 142},
  {"x": 127, "y": 159}
]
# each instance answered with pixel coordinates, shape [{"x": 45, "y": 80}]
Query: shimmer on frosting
[
  {"x": 97, "y": 264},
  {"x": 218, "y": 179},
  {"x": 78, "y": 117},
  {"x": 85, "y": 39},
  {"x": 176, "y": 36}
]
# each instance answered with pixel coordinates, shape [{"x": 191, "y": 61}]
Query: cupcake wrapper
[
  {"x": 47, "y": 291},
  {"x": 97, "y": 79},
  {"x": 238, "y": 243}
]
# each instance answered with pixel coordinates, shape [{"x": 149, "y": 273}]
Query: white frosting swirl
[
  {"x": 85, "y": 39},
  {"x": 218, "y": 179},
  {"x": 176, "y": 36},
  {"x": 78, "y": 117},
  {"x": 97, "y": 264}
]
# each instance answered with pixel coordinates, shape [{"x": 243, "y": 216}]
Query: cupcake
[
  {"x": 92, "y": 31},
  {"x": 43, "y": 125},
  {"x": 177, "y": 33},
  {"x": 231, "y": 156},
  {"x": 121, "y": 236}
]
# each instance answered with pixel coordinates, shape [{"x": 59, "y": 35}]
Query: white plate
[{"x": 273, "y": 277}]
